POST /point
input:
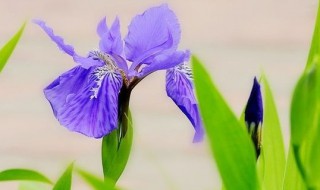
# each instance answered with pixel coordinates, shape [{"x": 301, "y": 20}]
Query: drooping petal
[
  {"x": 57, "y": 39},
  {"x": 180, "y": 90},
  {"x": 164, "y": 61},
  {"x": 86, "y": 100},
  {"x": 151, "y": 33},
  {"x": 69, "y": 82},
  {"x": 111, "y": 41}
]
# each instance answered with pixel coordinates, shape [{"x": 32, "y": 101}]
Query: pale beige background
[{"x": 237, "y": 39}]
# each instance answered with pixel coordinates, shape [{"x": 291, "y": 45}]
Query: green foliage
[
  {"x": 305, "y": 121},
  {"x": 33, "y": 186},
  {"x": 95, "y": 182},
  {"x": 305, "y": 129},
  {"x": 8, "y": 48},
  {"x": 64, "y": 182},
  {"x": 293, "y": 179},
  {"x": 23, "y": 174},
  {"x": 231, "y": 146},
  {"x": 115, "y": 155},
  {"x": 315, "y": 44},
  {"x": 272, "y": 152}
]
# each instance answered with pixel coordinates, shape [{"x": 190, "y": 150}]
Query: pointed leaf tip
[{"x": 8, "y": 48}]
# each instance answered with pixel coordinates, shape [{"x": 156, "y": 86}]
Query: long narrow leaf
[
  {"x": 229, "y": 141},
  {"x": 315, "y": 44},
  {"x": 64, "y": 182},
  {"x": 293, "y": 179},
  {"x": 114, "y": 155},
  {"x": 95, "y": 182},
  {"x": 8, "y": 48},
  {"x": 33, "y": 186},
  {"x": 23, "y": 174},
  {"x": 273, "y": 153}
]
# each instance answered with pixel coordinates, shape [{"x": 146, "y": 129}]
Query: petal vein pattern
[
  {"x": 180, "y": 90},
  {"x": 86, "y": 100}
]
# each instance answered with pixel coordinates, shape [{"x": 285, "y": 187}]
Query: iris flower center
[{"x": 105, "y": 58}]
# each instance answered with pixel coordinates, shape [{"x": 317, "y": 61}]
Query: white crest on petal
[
  {"x": 185, "y": 69},
  {"x": 99, "y": 73}
]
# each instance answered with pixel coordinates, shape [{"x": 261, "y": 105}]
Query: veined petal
[
  {"x": 164, "y": 61},
  {"x": 57, "y": 39},
  {"x": 151, "y": 33},
  {"x": 86, "y": 100},
  {"x": 180, "y": 90},
  {"x": 110, "y": 41},
  {"x": 69, "y": 82}
]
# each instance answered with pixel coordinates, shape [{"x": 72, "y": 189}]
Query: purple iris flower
[
  {"x": 254, "y": 115},
  {"x": 93, "y": 97}
]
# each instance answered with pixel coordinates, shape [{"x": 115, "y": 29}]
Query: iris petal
[
  {"x": 83, "y": 61},
  {"x": 180, "y": 90},
  {"x": 102, "y": 27},
  {"x": 86, "y": 100},
  {"x": 57, "y": 39},
  {"x": 164, "y": 61},
  {"x": 150, "y": 34},
  {"x": 110, "y": 41}
]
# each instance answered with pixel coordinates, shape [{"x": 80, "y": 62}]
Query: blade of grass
[
  {"x": 228, "y": 139},
  {"x": 8, "y": 48}
]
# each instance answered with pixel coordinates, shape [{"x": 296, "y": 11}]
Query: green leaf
[
  {"x": 230, "y": 143},
  {"x": 304, "y": 98},
  {"x": 305, "y": 126},
  {"x": 64, "y": 182},
  {"x": 293, "y": 179},
  {"x": 95, "y": 182},
  {"x": 273, "y": 154},
  {"x": 115, "y": 155},
  {"x": 315, "y": 44},
  {"x": 8, "y": 48},
  {"x": 23, "y": 174},
  {"x": 33, "y": 186}
]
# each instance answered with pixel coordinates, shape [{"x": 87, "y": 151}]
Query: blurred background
[{"x": 236, "y": 39}]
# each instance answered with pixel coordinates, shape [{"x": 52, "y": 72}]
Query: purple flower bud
[{"x": 254, "y": 115}]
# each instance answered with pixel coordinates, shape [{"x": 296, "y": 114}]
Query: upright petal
[
  {"x": 151, "y": 33},
  {"x": 111, "y": 41},
  {"x": 57, "y": 39},
  {"x": 86, "y": 100},
  {"x": 180, "y": 90},
  {"x": 102, "y": 27}
]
